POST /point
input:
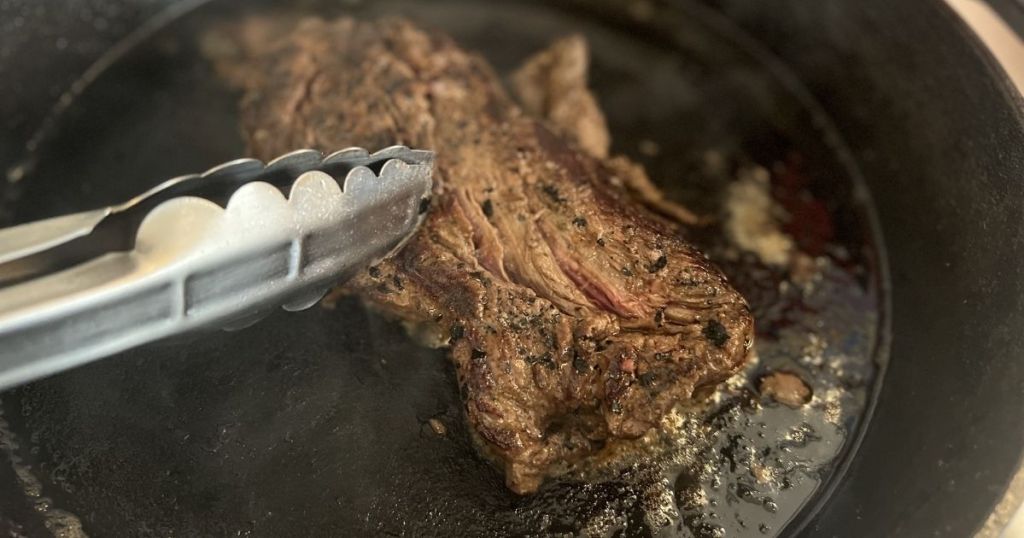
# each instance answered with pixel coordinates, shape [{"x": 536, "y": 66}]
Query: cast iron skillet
[{"x": 932, "y": 125}]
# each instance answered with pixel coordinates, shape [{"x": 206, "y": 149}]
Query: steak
[{"x": 574, "y": 312}]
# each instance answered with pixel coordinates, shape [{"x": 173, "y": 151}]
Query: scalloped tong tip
[{"x": 218, "y": 249}]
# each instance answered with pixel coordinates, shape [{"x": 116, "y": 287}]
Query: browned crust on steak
[
  {"x": 552, "y": 84},
  {"x": 574, "y": 317}
]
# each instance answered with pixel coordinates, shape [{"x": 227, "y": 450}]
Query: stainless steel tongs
[{"x": 221, "y": 248}]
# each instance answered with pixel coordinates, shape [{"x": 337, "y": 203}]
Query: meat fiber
[{"x": 574, "y": 313}]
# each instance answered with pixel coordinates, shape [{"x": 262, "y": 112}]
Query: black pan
[{"x": 888, "y": 117}]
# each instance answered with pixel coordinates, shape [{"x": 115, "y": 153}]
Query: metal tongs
[{"x": 222, "y": 249}]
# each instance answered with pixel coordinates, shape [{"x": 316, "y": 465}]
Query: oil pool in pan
[{"x": 335, "y": 421}]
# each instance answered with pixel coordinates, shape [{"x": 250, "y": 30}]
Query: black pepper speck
[
  {"x": 716, "y": 333},
  {"x": 544, "y": 360},
  {"x": 658, "y": 265},
  {"x": 553, "y": 193},
  {"x": 579, "y": 363}
]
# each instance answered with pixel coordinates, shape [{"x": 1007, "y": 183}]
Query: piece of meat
[
  {"x": 573, "y": 317},
  {"x": 552, "y": 84},
  {"x": 786, "y": 388}
]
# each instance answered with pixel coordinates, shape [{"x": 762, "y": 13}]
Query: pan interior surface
[{"x": 325, "y": 422}]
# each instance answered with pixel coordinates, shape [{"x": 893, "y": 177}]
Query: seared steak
[{"x": 574, "y": 314}]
